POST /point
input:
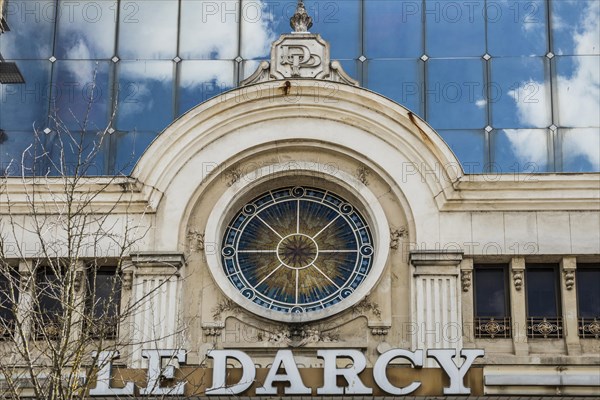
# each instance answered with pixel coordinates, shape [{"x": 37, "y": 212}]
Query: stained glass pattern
[{"x": 297, "y": 250}]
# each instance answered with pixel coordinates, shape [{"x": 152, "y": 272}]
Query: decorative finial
[{"x": 301, "y": 22}]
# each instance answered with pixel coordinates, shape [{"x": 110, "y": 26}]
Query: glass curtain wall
[{"x": 513, "y": 86}]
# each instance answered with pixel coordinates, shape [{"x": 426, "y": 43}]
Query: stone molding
[
  {"x": 436, "y": 258},
  {"x": 163, "y": 263}
]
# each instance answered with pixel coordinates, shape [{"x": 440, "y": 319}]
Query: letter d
[{"x": 219, "y": 386}]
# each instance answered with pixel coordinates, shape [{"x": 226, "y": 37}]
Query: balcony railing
[
  {"x": 492, "y": 327},
  {"x": 589, "y": 328},
  {"x": 546, "y": 328}
]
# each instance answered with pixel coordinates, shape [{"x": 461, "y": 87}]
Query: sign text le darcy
[{"x": 284, "y": 369}]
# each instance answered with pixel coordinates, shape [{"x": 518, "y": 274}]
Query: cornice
[{"x": 49, "y": 195}]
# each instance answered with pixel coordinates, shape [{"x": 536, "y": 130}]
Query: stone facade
[{"x": 300, "y": 121}]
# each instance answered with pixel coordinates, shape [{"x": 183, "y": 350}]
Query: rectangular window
[
  {"x": 588, "y": 300},
  {"x": 103, "y": 303},
  {"x": 543, "y": 301},
  {"x": 9, "y": 298},
  {"x": 492, "y": 310},
  {"x": 48, "y": 303}
]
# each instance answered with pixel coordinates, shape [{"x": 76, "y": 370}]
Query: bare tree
[{"x": 66, "y": 240}]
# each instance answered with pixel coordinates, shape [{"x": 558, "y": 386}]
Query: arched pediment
[{"x": 269, "y": 116}]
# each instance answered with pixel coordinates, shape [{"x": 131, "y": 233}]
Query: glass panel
[
  {"x": 581, "y": 150},
  {"x": 74, "y": 152},
  {"x": 201, "y": 80},
  {"x": 129, "y": 148},
  {"x": 401, "y": 81},
  {"x": 393, "y": 29},
  {"x": 148, "y": 29},
  {"x": 490, "y": 293},
  {"x": 351, "y": 67},
  {"x": 209, "y": 29},
  {"x": 520, "y": 151},
  {"x": 81, "y": 94},
  {"x": 145, "y": 95},
  {"x": 517, "y": 28},
  {"x": 541, "y": 292},
  {"x": 49, "y": 306},
  {"x": 276, "y": 12},
  {"x": 86, "y": 30},
  {"x": 454, "y": 29},
  {"x": 520, "y": 93},
  {"x": 338, "y": 22},
  {"x": 257, "y": 34},
  {"x": 469, "y": 147},
  {"x": 578, "y": 98},
  {"x": 103, "y": 302},
  {"x": 25, "y": 106},
  {"x": 588, "y": 290},
  {"x": 31, "y": 32},
  {"x": 575, "y": 26},
  {"x": 455, "y": 94},
  {"x": 15, "y": 152}
]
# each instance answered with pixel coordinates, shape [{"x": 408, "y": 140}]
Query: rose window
[{"x": 296, "y": 250}]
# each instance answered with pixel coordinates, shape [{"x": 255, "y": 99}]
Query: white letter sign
[{"x": 219, "y": 385}]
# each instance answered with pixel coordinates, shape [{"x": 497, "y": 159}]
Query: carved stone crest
[{"x": 301, "y": 55}]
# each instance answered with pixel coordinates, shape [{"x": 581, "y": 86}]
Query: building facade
[{"x": 299, "y": 231}]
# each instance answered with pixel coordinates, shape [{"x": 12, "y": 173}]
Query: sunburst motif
[{"x": 297, "y": 250}]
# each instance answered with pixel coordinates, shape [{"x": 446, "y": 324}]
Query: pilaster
[
  {"x": 155, "y": 302},
  {"x": 468, "y": 315},
  {"x": 518, "y": 306},
  {"x": 437, "y": 300},
  {"x": 568, "y": 295}
]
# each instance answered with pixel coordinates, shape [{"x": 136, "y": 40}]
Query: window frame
[
  {"x": 108, "y": 331},
  {"x": 588, "y": 328},
  {"x": 39, "y": 316},
  {"x": 488, "y": 327},
  {"x": 539, "y": 326}
]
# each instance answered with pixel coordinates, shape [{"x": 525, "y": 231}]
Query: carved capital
[
  {"x": 213, "y": 329},
  {"x": 569, "y": 275},
  {"x": 379, "y": 331},
  {"x": 466, "y": 279},
  {"x": 518, "y": 278},
  {"x": 26, "y": 279},
  {"x": 127, "y": 280},
  {"x": 78, "y": 280}
]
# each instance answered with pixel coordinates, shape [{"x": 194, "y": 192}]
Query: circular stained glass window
[{"x": 297, "y": 250}]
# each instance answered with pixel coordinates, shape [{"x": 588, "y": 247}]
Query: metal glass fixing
[{"x": 297, "y": 249}]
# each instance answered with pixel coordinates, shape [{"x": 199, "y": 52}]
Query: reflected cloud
[
  {"x": 578, "y": 100},
  {"x": 529, "y": 145}
]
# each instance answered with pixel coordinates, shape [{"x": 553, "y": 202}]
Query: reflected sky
[{"x": 528, "y": 71}]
